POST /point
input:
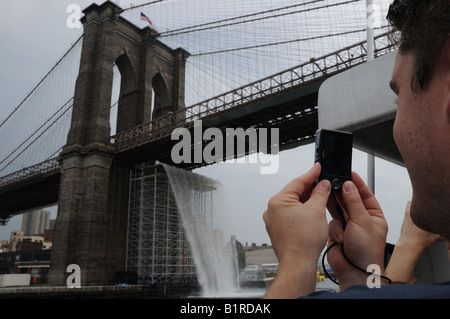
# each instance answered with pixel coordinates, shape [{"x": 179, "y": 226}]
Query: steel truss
[{"x": 316, "y": 69}]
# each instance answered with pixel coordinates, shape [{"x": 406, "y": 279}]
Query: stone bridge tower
[{"x": 91, "y": 226}]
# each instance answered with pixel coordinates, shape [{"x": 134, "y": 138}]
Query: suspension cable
[
  {"x": 282, "y": 42},
  {"x": 172, "y": 33},
  {"x": 42, "y": 133},
  {"x": 177, "y": 31},
  {"x": 40, "y": 82}
]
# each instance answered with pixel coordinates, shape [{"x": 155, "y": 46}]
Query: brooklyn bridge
[{"x": 108, "y": 108}]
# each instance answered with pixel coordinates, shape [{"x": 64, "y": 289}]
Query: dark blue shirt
[{"x": 395, "y": 291}]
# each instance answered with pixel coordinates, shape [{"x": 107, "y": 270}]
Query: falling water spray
[{"x": 203, "y": 208}]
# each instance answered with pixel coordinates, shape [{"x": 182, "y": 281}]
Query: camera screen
[{"x": 337, "y": 154}]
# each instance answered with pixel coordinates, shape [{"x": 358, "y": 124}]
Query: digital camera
[{"x": 334, "y": 153}]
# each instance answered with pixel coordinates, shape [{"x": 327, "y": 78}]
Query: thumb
[
  {"x": 353, "y": 202},
  {"x": 320, "y": 194}
]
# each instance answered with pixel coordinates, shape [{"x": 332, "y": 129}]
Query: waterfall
[{"x": 202, "y": 205}]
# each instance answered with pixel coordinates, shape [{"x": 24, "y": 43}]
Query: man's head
[{"x": 421, "y": 80}]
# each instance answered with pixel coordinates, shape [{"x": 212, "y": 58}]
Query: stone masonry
[{"x": 91, "y": 226}]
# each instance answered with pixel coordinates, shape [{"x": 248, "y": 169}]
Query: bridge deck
[
  {"x": 294, "y": 113},
  {"x": 30, "y": 188}
]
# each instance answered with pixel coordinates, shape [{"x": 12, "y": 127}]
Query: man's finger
[
  {"x": 368, "y": 198},
  {"x": 320, "y": 194},
  {"x": 301, "y": 183},
  {"x": 353, "y": 202}
]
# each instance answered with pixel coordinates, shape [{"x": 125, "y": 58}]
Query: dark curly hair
[{"x": 423, "y": 26}]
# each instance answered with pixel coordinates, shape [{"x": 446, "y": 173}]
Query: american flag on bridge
[{"x": 145, "y": 18}]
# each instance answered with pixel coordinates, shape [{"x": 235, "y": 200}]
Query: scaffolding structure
[{"x": 157, "y": 246}]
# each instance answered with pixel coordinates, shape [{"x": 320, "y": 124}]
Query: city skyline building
[{"x": 35, "y": 222}]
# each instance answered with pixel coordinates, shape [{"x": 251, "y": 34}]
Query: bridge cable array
[{"x": 231, "y": 44}]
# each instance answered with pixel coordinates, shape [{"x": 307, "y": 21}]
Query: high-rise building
[{"x": 35, "y": 222}]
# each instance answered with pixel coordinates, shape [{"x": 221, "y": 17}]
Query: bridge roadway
[
  {"x": 286, "y": 100},
  {"x": 296, "y": 117},
  {"x": 294, "y": 113}
]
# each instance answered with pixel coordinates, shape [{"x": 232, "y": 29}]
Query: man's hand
[
  {"x": 364, "y": 237},
  {"x": 296, "y": 223}
]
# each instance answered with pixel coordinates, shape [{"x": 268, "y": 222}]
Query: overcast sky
[{"x": 34, "y": 35}]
